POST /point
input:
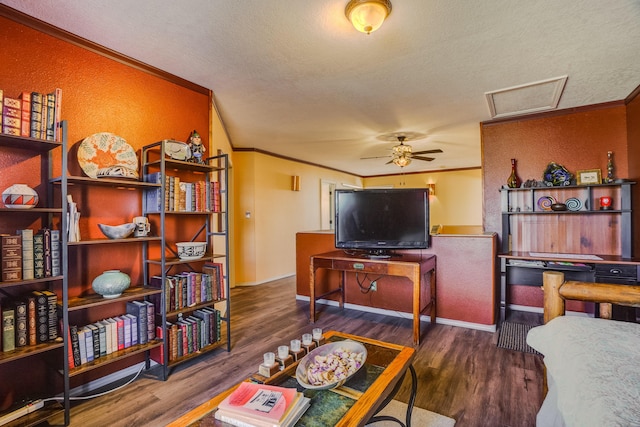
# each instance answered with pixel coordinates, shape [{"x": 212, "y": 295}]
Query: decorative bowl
[
  {"x": 314, "y": 372},
  {"x": 117, "y": 231},
  {"x": 558, "y": 207},
  {"x": 191, "y": 250},
  {"x": 20, "y": 196},
  {"x": 111, "y": 283}
]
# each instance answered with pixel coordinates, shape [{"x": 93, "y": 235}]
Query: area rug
[
  {"x": 513, "y": 336},
  {"x": 419, "y": 417}
]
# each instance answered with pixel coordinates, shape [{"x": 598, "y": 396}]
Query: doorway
[{"x": 327, "y": 205}]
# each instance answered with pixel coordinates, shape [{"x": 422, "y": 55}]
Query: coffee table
[{"x": 353, "y": 404}]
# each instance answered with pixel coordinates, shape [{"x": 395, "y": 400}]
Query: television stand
[{"x": 415, "y": 267}]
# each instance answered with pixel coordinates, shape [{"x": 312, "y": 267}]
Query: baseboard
[
  {"x": 526, "y": 308},
  {"x": 423, "y": 318},
  {"x": 284, "y": 276},
  {"x": 540, "y": 310}
]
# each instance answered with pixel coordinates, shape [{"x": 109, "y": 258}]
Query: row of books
[
  {"x": 262, "y": 405},
  {"x": 99, "y": 339},
  {"x": 32, "y": 114},
  {"x": 28, "y": 255},
  {"x": 190, "y": 288},
  {"x": 181, "y": 196},
  {"x": 190, "y": 334},
  {"x": 29, "y": 320}
]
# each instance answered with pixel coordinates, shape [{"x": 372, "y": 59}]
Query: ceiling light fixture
[
  {"x": 402, "y": 160},
  {"x": 367, "y": 15}
]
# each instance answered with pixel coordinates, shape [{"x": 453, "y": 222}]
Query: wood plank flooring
[{"x": 462, "y": 373}]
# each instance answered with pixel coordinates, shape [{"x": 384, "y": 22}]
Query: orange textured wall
[
  {"x": 575, "y": 139},
  {"x": 99, "y": 95}
]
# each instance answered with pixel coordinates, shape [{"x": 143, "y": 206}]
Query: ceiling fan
[{"x": 402, "y": 154}]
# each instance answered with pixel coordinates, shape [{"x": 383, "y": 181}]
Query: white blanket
[{"x": 595, "y": 365}]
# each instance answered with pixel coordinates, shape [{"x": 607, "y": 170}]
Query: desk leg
[
  {"x": 417, "y": 301},
  {"x": 312, "y": 293},
  {"x": 343, "y": 285},
  {"x": 432, "y": 282}
]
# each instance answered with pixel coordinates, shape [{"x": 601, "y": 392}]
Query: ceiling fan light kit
[
  {"x": 367, "y": 15},
  {"x": 402, "y": 154}
]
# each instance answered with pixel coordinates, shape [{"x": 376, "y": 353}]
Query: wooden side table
[{"x": 415, "y": 267}]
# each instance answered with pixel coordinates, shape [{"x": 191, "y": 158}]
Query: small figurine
[{"x": 197, "y": 148}]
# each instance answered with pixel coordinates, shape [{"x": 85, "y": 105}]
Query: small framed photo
[{"x": 589, "y": 176}]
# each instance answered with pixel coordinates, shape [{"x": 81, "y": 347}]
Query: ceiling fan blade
[
  {"x": 427, "y": 159},
  {"x": 437, "y": 150},
  {"x": 375, "y": 157}
]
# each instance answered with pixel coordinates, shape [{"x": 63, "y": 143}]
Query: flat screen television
[{"x": 380, "y": 220}]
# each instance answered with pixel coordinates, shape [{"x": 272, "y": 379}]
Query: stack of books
[
  {"x": 32, "y": 114},
  {"x": 261, "y": 405}
]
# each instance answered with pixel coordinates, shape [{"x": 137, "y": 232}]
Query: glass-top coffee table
[{"x": 353, "y": 404}]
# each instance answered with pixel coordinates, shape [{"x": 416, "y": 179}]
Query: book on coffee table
[{"x": 262, "y": 405}]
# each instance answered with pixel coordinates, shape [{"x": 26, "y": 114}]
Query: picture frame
[{"x": 589, "y": 176}]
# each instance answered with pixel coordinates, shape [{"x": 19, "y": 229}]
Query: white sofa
[{"x": 592, "y": 364}]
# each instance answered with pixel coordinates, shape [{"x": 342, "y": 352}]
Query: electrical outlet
[{"x": 374, "y": 286}]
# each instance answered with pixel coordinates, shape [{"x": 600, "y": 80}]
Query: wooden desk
[
  {"x": 589, "y": 273},
  {"x": 412, "y": 266},
  {"x": 362, "y": 396}
]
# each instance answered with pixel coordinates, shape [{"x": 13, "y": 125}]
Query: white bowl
[
  {"x": 191, "y": 250},
  {"x": 354, "y": 349},
  {"x": 20, "y": 196},
  {"x": 117, "y": 231}
]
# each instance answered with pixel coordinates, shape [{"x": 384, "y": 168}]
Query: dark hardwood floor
[{"x": 462, "y": 373}]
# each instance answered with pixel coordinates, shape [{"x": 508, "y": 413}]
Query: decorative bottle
[
  {"x": 610, "y": 178},
  {"x": 514, "y": 180}
]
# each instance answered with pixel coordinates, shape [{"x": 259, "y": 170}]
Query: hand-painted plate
[
  {"x": 573, "y": 204},
  {"x": 177, "y": 150},
  {"x": 103, "y": 150},
  {"x": 545, "y": 202}
]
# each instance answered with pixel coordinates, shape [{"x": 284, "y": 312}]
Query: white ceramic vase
[{"x": 20, "y": 196}]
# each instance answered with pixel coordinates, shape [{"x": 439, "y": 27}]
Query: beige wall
[
  {"x": 458, "y": 199},
  {"x": 265, "y": 242}
]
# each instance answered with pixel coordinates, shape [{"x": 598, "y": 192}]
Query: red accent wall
[
  {"x": 465, "y": 277},
  {"x": 577, "y": 139},
  {"x": 99, "y": 94}
]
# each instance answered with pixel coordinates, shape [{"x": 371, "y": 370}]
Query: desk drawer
[
  {"x": 366, "y": 267},
  {"x": 533, "y": 276}
]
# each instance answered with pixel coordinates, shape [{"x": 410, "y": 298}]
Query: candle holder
[
  {"x": 269, "y": 367},
  {"x": 284, "y": 359},
  {"x": 307, "y": 342},
  {"x": 316, "y": 334},
  {"x": 296, "y": 350}
]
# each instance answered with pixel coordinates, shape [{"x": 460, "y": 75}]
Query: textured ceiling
[{"x": 294, "y": 78}]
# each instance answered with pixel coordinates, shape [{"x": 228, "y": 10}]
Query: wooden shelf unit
[
  {"x": 214, "y": 227},
  {"x": 528, "y": 230}
]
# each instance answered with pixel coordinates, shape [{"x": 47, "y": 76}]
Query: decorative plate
[
  {"x": 545, "y": 202},
  {"x": 556, "y": 175},
  {"x": 331, "y": 365},
  {"x": 103, "y": 150},
  {"x": 117, "y": 172},
  {"x": 177, "y": 150},
  {"x": 573, "y": 204}
]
